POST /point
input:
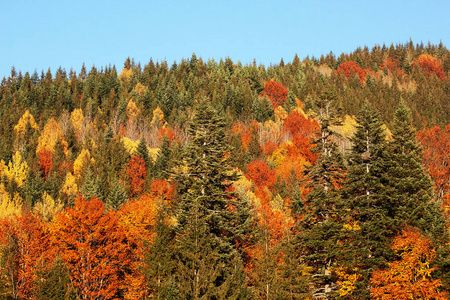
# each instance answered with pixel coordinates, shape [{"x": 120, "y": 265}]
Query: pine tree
[
  {"x": 368, "y": 225},
  {"x": 210, "y": 221},
  {"x": 411, "y": 188},
  {"x": 320, "y": 225},
  {"x": 162, "y": 161}
]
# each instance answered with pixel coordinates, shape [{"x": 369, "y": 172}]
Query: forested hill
[{"x": 317, "y": 178}]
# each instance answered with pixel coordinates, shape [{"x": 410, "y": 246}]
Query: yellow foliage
[
  {"x": 278, "y": 156},
  {"x": 347, "y": 280},
  {"x": 70, "y": 187},
  {"x": 48, "y": 207},
  {"x": 17, "y": 170},
  {"x": 280, "y": 114},
  {"x": 348, "y": 127},
  {"x": 132, "y": 110},
  {"x": 129, "y": 145},
  {"x": 153, "y": 153},
  {"x": 125, "y": 74},
  {"x": 26, "y": 119},
  {"x": 352, "y": 226},
  {"x": 8, "y": 206},
  {"x": 50, "y": 135},
  {"x": 158, "y": 118},
  {"x": 77, "y": 118},
  {"x": 83, "y": 159},
  {"x": 140, "y": 89}
]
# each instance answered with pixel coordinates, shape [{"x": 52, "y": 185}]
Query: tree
[
  {"x": 409, "y": 188},
  {"x": 368, "y": 217},
  {"x": 430, "y": 65},
  {"x": 136, "y": 173},
  {"x": 320, "y": 226},
  {"x": 348, "y": 67},
  {"x": 210, "y": 221},
  {"x": 95, "y": 249},
  {"x": 276, "y": 93},
  {"x": 408, "y": 277}
]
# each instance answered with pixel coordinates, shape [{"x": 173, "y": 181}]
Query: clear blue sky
[{"x": 42, "y": 34}]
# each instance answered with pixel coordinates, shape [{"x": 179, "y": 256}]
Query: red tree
[
  {"x": 276, "y": 93},
  {"x": 45, "y": 161},
  {"x": 430, "y": 65},
  {"x": 259, "y": 172},
  {"x": 347, "y": 68},
  {"x": 136, "y": 172},
  {"x": 96, "y": 250}
]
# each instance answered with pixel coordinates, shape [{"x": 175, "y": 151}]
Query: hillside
[{"x": 322, "y": 177}]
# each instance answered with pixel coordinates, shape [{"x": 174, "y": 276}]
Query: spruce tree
[
  {"x": 210, "y": 220},
  {"x": 320, "y": 227},
  {"x": 162, "y": 161},
  {"x": 411, "y": 187},
  {"x": 368, "y": 225}
]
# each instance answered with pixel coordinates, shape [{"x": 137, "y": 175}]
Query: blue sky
[{"x": 36, "y": 35}]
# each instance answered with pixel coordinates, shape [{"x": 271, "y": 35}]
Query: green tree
[
  {"x": 369, "y": 222},
  {"x": 210, "y": 220},
  {"x": 320, "y": 226}
]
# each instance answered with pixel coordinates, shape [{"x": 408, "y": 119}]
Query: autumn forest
[{"x": 320, "y": 178}]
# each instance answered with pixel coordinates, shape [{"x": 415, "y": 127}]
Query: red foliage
[
  {"x": 302, "y": 129},
  {"x": 136, "y": 173},
  {"x": 96, "y": 249},
  {"x": 260, "y": 173},
  {"x": 276, "y": 93},
  {"x": 430, "y": 65},
  {"x": 436, "y": 157},
  {"x": 45, "y": 161},
  {"x": 269, "y": 147},
  {"x": 162, "y": 189},
  {"x": 347, "y": 68},
  {"x": 168, "y": 133},
  {"x": 29, "y": 252}
]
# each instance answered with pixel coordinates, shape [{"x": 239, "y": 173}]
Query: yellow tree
[
  {"x": 17, "y": 170},
  {"x": 410, "y": 276},
  {"x": 26, "y": 119},
  {"x": 50, "y": 135}
]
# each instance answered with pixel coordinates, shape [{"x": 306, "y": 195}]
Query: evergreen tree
[
  {"x": 91, "y": 186},
  {"x": 210, "y": 221},
  {"x": 162, "y": 161},
  {"x": 368, "y": 223},
  {"x": 160, "y": 260},
  {"x": 117, "y": 195},
  {"x": 320, "y": 226},
  {"x": 142, "y": 151},
  {"x": 411, "y": 189}
]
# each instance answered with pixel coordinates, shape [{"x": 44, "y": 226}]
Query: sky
[{"x": 38, "y": 35}]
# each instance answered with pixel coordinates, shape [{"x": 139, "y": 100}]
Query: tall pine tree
[{"x": 210, "y": 220}]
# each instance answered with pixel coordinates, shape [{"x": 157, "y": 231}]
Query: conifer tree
[
  {"x": 368, "y": 226},
  {"x": 162, "y": 161},
  {"x": 210, "y": 220},
  {"x": 411, "y": 188},
  {"x": 320, "y": 226}
]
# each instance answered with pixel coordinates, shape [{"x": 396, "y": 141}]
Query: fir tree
[
  {"x": 411, "y": 189},
  {"x": 320, "y": 225},
  {"x": 162, "y": 161},
  {"x": 368, "y": 224},
  {"x": 210, "y": 221}
]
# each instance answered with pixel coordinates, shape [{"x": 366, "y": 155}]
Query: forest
[{"x": 320, "y": 178}]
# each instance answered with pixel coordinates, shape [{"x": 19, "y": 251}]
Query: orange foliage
[
  {"x": 347, "y": 68},
  {"x": 259, "y": 172},
  {"x": 45, "y": 161},
  {"x": 276, "y": 93},
  {"x": 430, "y": 65},
  {"x": 391, "y": 65},
  {"x": 163, "y": 190},
  {"x": 168, "y": 133},
  {"x": 436, "y": 157},
  {"x": 269, "y": 147},
  {"x": 409, "y": 277},
  {"x": 302, "y": 129},
  {"x": 136, "y": 173},
  {"x": 29, "y": 240},
  {"x": 97, "y": 251}
]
